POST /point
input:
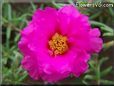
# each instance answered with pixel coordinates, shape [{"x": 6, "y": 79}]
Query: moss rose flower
[{"x": 57, "y": 43}]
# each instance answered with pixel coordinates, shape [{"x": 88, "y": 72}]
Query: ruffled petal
[
  {"x": 79, "y": 65},
  {"x": 48, "y": 12},
  {"x": 70, "y": 10},
  {"x": 51, "y": 74},
  {"x": 72, "y": 22},
  {"x": 96, "y": 42},
  {"x": 30, "y": 63},
  {"x": 95, "y": 32},
  {"x": 79, "y": 68},
  {"x": 95, "y": 45}
]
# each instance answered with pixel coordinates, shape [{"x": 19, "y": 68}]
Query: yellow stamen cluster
[{"x": 58, "y": 44}]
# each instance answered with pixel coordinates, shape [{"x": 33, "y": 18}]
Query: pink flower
[{"x": 57, "y": 43}]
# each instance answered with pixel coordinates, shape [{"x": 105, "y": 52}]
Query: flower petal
[
  {"x": 70, "y": 10},
  {"x": 95, "y": 32},
  {"x": 79, "y": 66},
  {"x": 95, "y": 44},
  {"x": 30, "y": 64}
]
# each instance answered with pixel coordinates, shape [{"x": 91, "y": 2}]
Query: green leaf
[
  {"x": 111, "y": 11},
  {"x": 57, "y": 5},
  {"x": 102, "y": 60},
  {"x": 108, "y": 34},
  {"x": 23, "y": 77},
  {"x": 91, "y": 63},
  {"x": 95, "y": 15},
  {"x": 90, "y": 77},
  {"x": 33, "y": 6},
  {"x": 108, "y": 45},
  {"x": 107, "y": 82},
  {"x": 8, "y": 34},
  {"x": 4, "y": 20},
  {"x": 85, "y": 82},
  {"x": 17, "y": 37},
  {"x": 9, "y": 12},
  {"x": 71, "y": 2},
  {"x": 102, "y": 26},
  {"x": 106, "y": 71},
  {"x": 111, "y": 1}
]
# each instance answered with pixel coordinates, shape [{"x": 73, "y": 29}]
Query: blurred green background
[{"x": 15, "y": 17}]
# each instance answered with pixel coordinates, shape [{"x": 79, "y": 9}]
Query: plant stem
[{"x": 98, "y": 71}]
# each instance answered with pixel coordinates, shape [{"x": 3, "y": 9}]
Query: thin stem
[{"x": 98, "y": 72}]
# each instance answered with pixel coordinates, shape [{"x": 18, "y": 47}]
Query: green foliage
[
  {"x": 12, "y": 71},
  {"x": 11, "y": 57},
  {"x": 14, "y": 18},
  {"x": 96, "y": 74}
]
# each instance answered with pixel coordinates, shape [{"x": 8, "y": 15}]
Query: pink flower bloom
[{"x": 57, "y": 43}]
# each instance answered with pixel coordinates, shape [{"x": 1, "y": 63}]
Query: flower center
[{"x": 58, "y": 44}]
